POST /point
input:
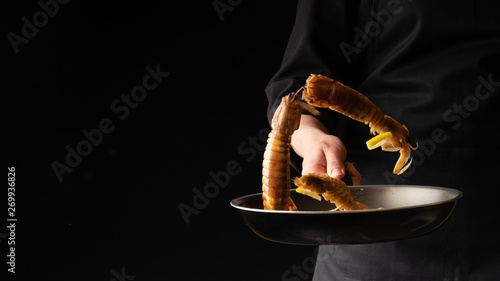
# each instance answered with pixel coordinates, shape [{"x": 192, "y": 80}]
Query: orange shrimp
[
  {"x": 321, "y": 91},
  {"x": 276, "y": 165},
  {"x": 332, "y": 189}
]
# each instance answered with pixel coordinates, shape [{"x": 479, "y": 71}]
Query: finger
[
  {"x": 336, "y": 169},
  {"x": 353, "y": 173},
  {"x": 314, "y": 163},
  {"x": 335, "y": 158}
]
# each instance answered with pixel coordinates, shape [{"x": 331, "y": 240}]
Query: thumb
[
  {"x": 336, "y": 169},
  {"x": 335, "y": 164},
  {"x": 314, "y": 162}
]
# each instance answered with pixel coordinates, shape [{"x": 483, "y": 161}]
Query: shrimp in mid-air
[
  {"x": 276, "y": 165},
  {"x": 321, "y": 91}
]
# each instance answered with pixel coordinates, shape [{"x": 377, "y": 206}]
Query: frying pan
[{"x": 396, "y": 212}]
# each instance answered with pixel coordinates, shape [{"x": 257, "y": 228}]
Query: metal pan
[{"x": 406, "y": 211}]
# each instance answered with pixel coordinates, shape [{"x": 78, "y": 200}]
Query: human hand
[{"x": 321, "y": 152}]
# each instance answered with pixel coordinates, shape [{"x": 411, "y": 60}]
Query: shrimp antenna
[
  {"x": 297, "y": 92},
  {"x": 301, "y": 88}
]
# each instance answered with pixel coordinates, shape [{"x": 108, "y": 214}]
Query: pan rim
[{"x": 458, "y": 195}]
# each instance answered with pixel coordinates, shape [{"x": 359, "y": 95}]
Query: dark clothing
[{"x": 435, "y": 67}]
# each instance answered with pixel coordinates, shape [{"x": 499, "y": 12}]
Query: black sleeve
[{"x": 314, "y": 47}]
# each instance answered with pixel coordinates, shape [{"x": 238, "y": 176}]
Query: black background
[{"x": 117, "y": 210}]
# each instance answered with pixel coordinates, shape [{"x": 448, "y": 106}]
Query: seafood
[
  {"x": 276, "y": 165},
  {"x": 322, "y": 91},
  {"x": 332, "y": 189}
]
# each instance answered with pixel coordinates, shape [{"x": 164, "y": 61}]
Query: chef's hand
[{"x": 321, "y": 152}]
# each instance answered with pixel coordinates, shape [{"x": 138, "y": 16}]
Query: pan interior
[
  {"x": 402, "y": 196},
  {"x": 376, "y": 197}
]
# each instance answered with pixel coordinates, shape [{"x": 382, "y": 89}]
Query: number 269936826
[{"x": 11, "y": 181}]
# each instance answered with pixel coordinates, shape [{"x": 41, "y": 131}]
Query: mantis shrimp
[
  {"x": 332, "y": 189},
  {"x": 276, "y": 166},
  {"x": 321, "y": 91}
]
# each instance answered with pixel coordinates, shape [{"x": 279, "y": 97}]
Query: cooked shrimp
[
  {"x": 321, "y": 91},
  {"x": 332, "y": 189},
  {"x": 276, "y": 165}
]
